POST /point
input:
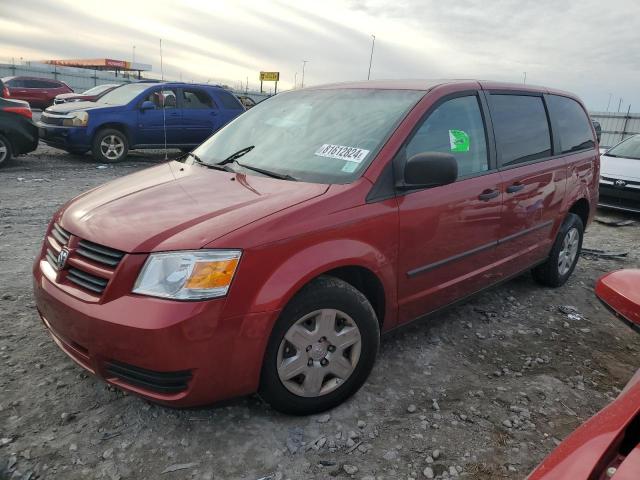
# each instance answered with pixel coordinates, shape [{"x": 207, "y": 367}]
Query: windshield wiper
[
  {"x": 215, "y": 166},
  {"x": 268, "y": 173},
  {"x": 238, "y": 154}
]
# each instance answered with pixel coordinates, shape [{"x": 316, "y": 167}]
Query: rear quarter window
[
  {"x": 573, "y": 125},
  {"x": 229, "y": 101},
  {"x": 521, "y": 128}
]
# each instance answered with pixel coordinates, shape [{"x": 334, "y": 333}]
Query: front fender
[{"x": 288, "y": 273}]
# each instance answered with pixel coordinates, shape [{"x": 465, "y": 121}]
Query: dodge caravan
[{"x": 272, "y": 258}]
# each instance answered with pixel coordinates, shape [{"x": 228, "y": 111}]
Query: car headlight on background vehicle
[
  {"x": 76, "y": 119},
  {"x": 188, "y": 275}
]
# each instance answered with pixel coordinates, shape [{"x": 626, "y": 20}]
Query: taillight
[
  {"x": 5, "y": 92},
  {"x": 24, "y": 111}
]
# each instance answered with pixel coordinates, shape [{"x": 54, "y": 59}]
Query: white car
[{"x": 620, "y": 176}]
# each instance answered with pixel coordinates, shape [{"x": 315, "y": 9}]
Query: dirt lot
[{"x": 482, "y": 391}]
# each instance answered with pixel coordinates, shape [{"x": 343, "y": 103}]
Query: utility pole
[
  {"x": 609, "y": 102},
  {"x": 619, "y": 104},
  {"x": 524, "y": 79},
  {"x": 373, "y": 44},
  {"x": 295, "y": 80},
  {"x": 304, "y": 62}
]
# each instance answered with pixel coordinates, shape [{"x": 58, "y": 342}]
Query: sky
[{"x": 587, "y": 47}]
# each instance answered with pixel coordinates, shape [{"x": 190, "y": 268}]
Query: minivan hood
[
  {"x": 61, "y": 108},
  {"x": 174, "y": 206},
  {"x": 620, "y": 168}
]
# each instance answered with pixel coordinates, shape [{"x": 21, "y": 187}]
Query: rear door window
[
  {"x": 196, "y": 99},
  {"x": 454, "y": 127},
  {"x": 521, "y": 128},
  {"x": 574, "y": 127}
]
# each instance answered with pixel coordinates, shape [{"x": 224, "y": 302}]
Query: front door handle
[
  {"x": 516, "y": 187},
  {"x": 489, "y": 194}
]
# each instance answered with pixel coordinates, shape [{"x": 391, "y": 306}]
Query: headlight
[
  {"x": 188, "y": 275},
  {"x": 77, "y": 119}
]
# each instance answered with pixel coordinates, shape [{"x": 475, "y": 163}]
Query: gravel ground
[{"x": 482, "y": 391}]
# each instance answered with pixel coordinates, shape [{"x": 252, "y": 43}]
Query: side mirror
[
  {"x": 430, "y": 169},
  {"x": 147, "y": 105}
]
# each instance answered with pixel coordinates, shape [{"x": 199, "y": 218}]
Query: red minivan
[
  {"x": 38, "y": 92},
  {"x": 275, "y": 255}
]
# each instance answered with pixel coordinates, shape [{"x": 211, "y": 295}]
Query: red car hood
[
  {"x": 620, "y": 292},
  {"x": 175, "y": 206}
]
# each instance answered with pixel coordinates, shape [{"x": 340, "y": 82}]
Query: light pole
[
  {"x": 295, "y": 80},
  {"x": 373, "y": 44},
  {"x": 304, "y": 62},
  {"x": 524, "y": 78}
]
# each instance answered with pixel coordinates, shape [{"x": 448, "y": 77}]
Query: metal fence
[
  {"x": 81, "y": 79},
  {"x": 616, "y": 126}
]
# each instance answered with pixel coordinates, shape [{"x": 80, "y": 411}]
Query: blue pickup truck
[{"x": 139, "y": 116}]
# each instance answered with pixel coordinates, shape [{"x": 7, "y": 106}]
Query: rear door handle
[
  {"x": 516, "y": 187},
  {"x": 488, "y": 195}
]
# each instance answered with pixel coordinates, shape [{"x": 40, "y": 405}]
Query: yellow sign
[{"x": 269, "y": 76}]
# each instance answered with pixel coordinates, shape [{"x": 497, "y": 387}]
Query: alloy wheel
[
  {"x": 569, "y": 251},
  {"x": 318, "y": 353},
  {"x": 112, "y": 147}
]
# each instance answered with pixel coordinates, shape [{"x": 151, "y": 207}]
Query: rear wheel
[
  {"x": 564, "y": 254},
  {"x": 6, "y": 153},
  {"x": 321, "y": 350},
  {"x": 110, "y": 146}
]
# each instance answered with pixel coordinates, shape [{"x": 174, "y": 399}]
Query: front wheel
[
  {"x": 564, "y": 254},
  {"x": 5, "y": 150},
  {"x": 110, "y": 146},
  {"x": 321, "y": 350}
]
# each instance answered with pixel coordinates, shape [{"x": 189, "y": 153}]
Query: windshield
[
  {"x": 97, "y": 90},
  {"x": 319, "y": 136},
  {"x": 124, "y": 94},
  {"x": 629, "y": 148}
]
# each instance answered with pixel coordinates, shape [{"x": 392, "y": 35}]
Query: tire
[
  {"x": 6, "y": 151},
  {"x": 564, "y": 254},
  {"x": 352, "y": 358},
  {"x": 110, "y": 137}
]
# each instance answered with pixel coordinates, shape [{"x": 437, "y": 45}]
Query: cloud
[{"x": 587, "y": 47}]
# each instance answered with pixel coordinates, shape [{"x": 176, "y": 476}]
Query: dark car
[
  {"x": 139, "y": 116},
  {"x": 276, "y": 254},
  {"x": 18, "y": 134},
  {"x": 38, "y": 92},
  {"x": 91, "y": 95}
]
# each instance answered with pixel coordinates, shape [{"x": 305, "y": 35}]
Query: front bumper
[
  {"x": 620, "y": 195},
  {"x": 67, "y": 138},
  {"x": 175, "y": 353}
]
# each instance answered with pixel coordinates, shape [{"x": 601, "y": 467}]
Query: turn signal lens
[{"x": 212, "y": 274}]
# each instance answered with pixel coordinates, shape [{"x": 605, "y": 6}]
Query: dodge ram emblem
[{"x": 62, "y": 259}]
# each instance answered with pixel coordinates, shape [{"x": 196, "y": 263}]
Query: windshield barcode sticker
[{"x": 348, "y": 154}]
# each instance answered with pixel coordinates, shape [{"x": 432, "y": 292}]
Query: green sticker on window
[{"x": 459, "y": 141}]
